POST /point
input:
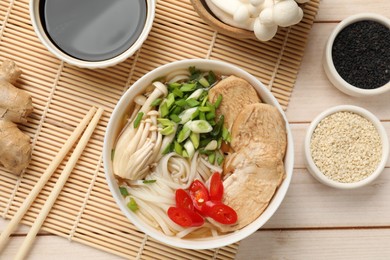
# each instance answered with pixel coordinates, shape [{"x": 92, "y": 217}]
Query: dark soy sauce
[{"x": 93, "y": 30}]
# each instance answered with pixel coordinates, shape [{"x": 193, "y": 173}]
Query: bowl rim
[
  {"x": 328, "y": 64},
  {"x": 315, "y": 171},
  {"x": 224, "y": 240},
  {"x": 44, "y": 39}
]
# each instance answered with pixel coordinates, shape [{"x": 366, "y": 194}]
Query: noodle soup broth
[{"x": 201, "y": 238}]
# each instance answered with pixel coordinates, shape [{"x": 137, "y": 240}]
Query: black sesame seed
[{"x": 361, "y": 54}]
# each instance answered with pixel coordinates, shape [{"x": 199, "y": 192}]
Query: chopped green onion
[
  {"x": 123, "y": 191},
  {"x": 204, "y": 141},
  {"x": 204, "y": 100},
  {"x": 185, "y": 154},
  {"x": 175, "y": 118},
  {"x": 212, "y": 145},
  {"x": 218, "y": 101},
  {"x": 225, "y": 133},
  {"x": 187, "y": 114},
  {"x": 205, "y": 109},
  {"x": 202, "y": 116},
  {"x": 204, "y": 82},
  {"x": 202, "y": 151},
  {"x": 196, "y": 94},
  {"x": 192, "y": 102},
  {"x": 149, "y": 181},
  {"x": 176, "y": 110},
  {"x": 132, "y": 205},
  {"x": 188, "y": 87},
  {"x": 181, "y": 102},
  {"x": 167, "y": 149},
  {"x": 174, "y": 85},
  {"x": 138, "y": 119},
  {"x": 178, "y": 148},
  {"x": 184, "y": 133},
  {"x": 218, "y": 126},
  {"x": 200, "y": 126},
  {"x": 210, "y": 116},
  {"x": 211, "y": 158},
  {"x": 165, "y": 122},
  {"x": 195, "y": 114},
  {"x": 219, "y": 158},
  {"x": 164, "y": 111},
  {"x": 170, "y": 100},
  {"x": 190, "y": 149},
  {"x": 194, "y": 137},
  {"x": 211, "y": 77},
  {"x": 219, "y": 141},
  {"x": 195, "y": 73},
  {"x": 156, "y": 102},
  {"x": 167, "y": 130},
  {"x": 177, "y": 92}
]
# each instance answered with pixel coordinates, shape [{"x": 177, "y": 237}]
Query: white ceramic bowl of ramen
[
  {"x": 116, "y": 122},
  {"x": 92, "y": 35}
]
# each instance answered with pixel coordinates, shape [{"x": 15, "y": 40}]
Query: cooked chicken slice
[
  {"x": 261, "y": 124},
  {"x": 236, "y": 94},
  {"x": 255, "y": 169},
  {"x": 248, "y": 191},
  {"x": 255, "y": 154}
]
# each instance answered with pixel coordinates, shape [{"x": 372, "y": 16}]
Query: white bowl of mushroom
[
  {"x": 180, "y": 195},
  {"x": 258, "y": 19},
  {"x": 346, "y": 147}
]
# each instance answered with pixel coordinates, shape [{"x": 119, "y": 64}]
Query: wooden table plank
[
  {"x": 317, "y": 244},
  {"x": 310, "y": 204},
  {"x": 336, "y": 10}
]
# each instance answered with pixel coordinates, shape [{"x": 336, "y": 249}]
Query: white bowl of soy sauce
[
  {"x": 92, "y": 33},
  {"x": 357, "y": 55}
]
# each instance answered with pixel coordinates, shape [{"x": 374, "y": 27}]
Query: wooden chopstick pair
[{"x": 92, "y": 117}]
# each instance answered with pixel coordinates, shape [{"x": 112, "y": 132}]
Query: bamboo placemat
[{"x": 62, "y": 94}]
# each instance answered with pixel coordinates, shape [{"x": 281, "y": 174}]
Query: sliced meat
[
  {"x": 255, "y": 154},
  {"x": 248, "y": 191},
  {"x": 255, "y": 168},
  {"x": 236, "y": 94},
  {"x": 261, "y": 124}
]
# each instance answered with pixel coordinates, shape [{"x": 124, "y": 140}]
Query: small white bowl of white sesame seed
[{"x": 346, "y": 147}]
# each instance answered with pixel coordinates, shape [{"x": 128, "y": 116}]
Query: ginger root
[{"x": 15, "y": 107}]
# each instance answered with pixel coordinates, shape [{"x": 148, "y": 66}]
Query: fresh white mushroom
[
  {"x": 264, "y": 32},
  {"x": 261, "y": 16},
  {"x": 160, "y": 90},
  {"x": 137, "y": 146},
  {"x": 241, "y": 15},
  {"x": 228, "y": 18},
  {"x": 285, "y": 13},
  {"x": 256, "y": 2},
  {"x": 254, "y": 11},
  {"x": 267, "y": 16}
]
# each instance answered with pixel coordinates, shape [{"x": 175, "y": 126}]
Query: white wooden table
[{"x": 314, "y": 221}]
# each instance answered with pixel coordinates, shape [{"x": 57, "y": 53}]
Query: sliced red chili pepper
[
  {"x": 199, "y": 194},
  {"x": 220, "y": 212},
  {"x": 216, "y": 187},
  {"x": 185, "y": 217},
  {"x": 183, "y": 200}
]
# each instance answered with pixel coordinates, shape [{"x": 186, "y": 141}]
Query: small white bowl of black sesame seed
[
  {"x": 346, "y": 147},
  {"x": 357, "y": 57}
]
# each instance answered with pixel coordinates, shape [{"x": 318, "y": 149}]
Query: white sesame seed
[{"x": 346, "y": 147}]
